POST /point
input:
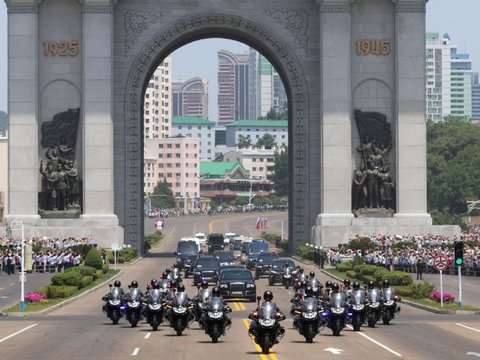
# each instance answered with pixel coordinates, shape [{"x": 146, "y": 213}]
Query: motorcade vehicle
[
  {"x": 215, "y": 242},
  {"x": 154, "y": 310},
  {"x": 189, "y": 264},
  {"x": 180, "y": 312},
  {"x": 308, "y": 318},
  {"x": 200, "y": 236},
  {"x": 255, "y": 247},
  {"x": 357, "y": 311},
  {"x": 268, "y": 330},
  {"x": 335, "y": 315},
  {"x": 277, "y": 270},
  {"x": 236, "y": 248},
  {"x": 184, "y": 249},
  {"x": 206, "y": 268},
  {"x": 237, "y": 284},
  {"x": 132, "y": 306},
  {"x": 229, "y": 236},
  {"x": 264, "y": 263},
  {"x": 225, "y": 257},
  {"x": 113, "y": 304},
  {"x": 389, "y": 305}
]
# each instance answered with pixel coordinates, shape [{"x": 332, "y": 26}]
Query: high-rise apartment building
[
  {"x": 197, "y": 128},
  {"x": 233, "y": 87},
  {"x": 476, "y": 98},
  {"x": 448, "y": 79},
  {"x": 157, "y": 116},
  {"x": 265, "y": 86},
  {"x": 190, "y": 97}
]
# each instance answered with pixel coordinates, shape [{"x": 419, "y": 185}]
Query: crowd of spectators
[
  {"x": 413, "y": 254},
  {"x": 49, "y": 254}
]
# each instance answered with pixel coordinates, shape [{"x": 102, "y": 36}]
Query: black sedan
[
  {"x": 264, "y": 263},
  {"x": 205, "y": 269},
  {"x": 237, "y": 284},
  {"x": 278, "y": 268}
]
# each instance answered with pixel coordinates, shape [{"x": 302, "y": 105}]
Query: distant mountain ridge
[{"x": 3, "y": 122}]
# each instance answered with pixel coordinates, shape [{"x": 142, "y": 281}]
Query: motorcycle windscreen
[
  {"x": 373, "y": 293},
  {"x": 180, "y": 299},
  {"x": 338, "y": 300},
  {"x": 216, "y": 304},
  {"x": 314, "y": 283},
  {"x": 309, "y": 304},
  {"x": 156, "y": 295},
  {"x": 115, "y": 293},
  {"x": 205, "y": 294},
  {"x": 388, "y": 294},
  {"x": 134, "y": 294},
  {"x": 267, "y": 310},
  {"x": 358, "y": 297}
]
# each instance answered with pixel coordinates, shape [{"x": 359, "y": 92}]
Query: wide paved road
[{"x": 81, "y": 331}]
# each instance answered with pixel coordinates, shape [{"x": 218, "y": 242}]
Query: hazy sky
[{"x": 458, "y": 18}]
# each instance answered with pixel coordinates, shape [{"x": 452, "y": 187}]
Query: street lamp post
[{"x": 18, "y": 225}]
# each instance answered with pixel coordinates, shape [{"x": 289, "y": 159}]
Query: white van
[{"x": 229, "y": 236}]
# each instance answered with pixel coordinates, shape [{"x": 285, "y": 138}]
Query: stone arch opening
[{"x": 182, "y": 32}]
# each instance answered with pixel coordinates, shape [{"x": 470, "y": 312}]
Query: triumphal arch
[{"x": 354, "y": 75}]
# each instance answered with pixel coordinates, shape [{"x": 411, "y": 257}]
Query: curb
[
  {"x": 65, "y": 302},
  {"x": 406, "y": 302},
  {"x": 302, "y": 260}
]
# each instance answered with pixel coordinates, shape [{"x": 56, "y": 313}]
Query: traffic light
[{"x": 459, "y": 253}]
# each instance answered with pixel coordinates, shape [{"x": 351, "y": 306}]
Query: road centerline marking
[
  {"x": 376, "y": 342},
  {"x": 135, "y": 351},
  {"x": 272, "y": 355},
  {"x": 468, "y": 327},
  {"x": 18, "y": 332}
]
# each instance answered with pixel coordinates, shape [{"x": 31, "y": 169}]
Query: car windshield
[
  {"x": 209, "y": 263},
  {"x": 187, "y": 247},
  {"x": 280, "y": 265},
  {"x": 267, "y": 257},
  {"x": 257, "y": 249},
  {"x": 225, "y": 256},
  {"x": 236, "y": 275},
  {"x": 237, "y": 244}
]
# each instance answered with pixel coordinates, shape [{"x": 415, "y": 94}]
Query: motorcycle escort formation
[{"x": 314, "y": 307}]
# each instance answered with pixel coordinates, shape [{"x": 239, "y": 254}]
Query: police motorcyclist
[
  {"x": 106, "y": 297},
  {"x": 203, "y": 294},
  {"x": 267, "y": 296},
  {"x": 347, "y": 288},
  {"x": 226, "y": 309}
]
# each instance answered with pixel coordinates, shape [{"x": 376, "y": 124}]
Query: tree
[
  {"x": 162, "y": 196},
  {"x": 280, "y": 173},
  {"x": 453, "y": 155},
  {"x": 267, "y": 141},
  {"x": 244, "y": 142},
  {"x": 274, "y": 114}
]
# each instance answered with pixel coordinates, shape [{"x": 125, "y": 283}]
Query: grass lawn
[
  {"x": 44, "y": 304},
  {"x": 339, "y": 274}
]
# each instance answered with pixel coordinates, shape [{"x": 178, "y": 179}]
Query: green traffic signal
[
  {"x": 458, "y": 250},
  {"x": 459, "y": 261}
]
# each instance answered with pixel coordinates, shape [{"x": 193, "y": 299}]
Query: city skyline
[{"x": 460, "y": 24}]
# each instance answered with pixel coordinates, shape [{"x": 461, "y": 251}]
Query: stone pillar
[
  {"x": 336, "y": 163},
  {"x": 411, "y": 123},
  {"x": 22, "y": 110},
  {"x": 97, "y": 111}
]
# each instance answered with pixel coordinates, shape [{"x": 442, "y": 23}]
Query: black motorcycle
[
  {"x": 335, "y": 314},
  {"x": 133, "y": 306},
  {"x": 113, "y": 305},
  {"x": 180, "y": 312},
  {"x": 216, "y": 320},
  {"x": 308, "y": 319},
  {"x": 389, "y": 306},
  {"x": 287, "y": 277},
  {"x": 267, "y": 331},
  {"x": 357, "y": 311},
  {"x": 374, "y": 308},
  {"x": 153, "y": 308}
]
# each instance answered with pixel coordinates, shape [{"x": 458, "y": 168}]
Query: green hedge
[
  {"x": 306, "y": 252},
  {"x": 105, "y": 268},
  {"x": 397, "y": 278},
  {"x": 85, "y": 281},
  {"x": 421, "y": 291},
  {"x": 126, "y": 254},
  {"x": 344, "y": 266},
  {"x": 351, "y": 274},
  {"x": 83, "y": 270},
  {"x": 71, "y": 278},
  {"x": 403, "y": 290},
  {"x": 54, "y": 292},
  {"x": 94, "y": 259}
]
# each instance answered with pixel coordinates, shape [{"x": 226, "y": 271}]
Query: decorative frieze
[
  {"x": 22, "y": 9},
  {"x": 295, "y": 21},
  {"x": 97, "y": 9}
]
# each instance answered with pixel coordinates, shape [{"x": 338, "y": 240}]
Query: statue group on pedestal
[
  {"x": 373, "y": 187},
  {"x": 61, "y": 184}
]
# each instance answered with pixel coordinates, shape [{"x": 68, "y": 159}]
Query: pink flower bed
[
  {"x": 447, "y": 297},
  {"x": 35, "y": 297}
]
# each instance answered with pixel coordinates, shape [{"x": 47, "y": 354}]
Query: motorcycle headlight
[
  {"x": 287, "y": 276},
  {"x": 374, "y": 305},
  {"x": 266, "y": 322},
  {"x": 215, "y": 314},
  {"x": 154, "y": 306},
  {"x": 133, "y": 304},
  {"x": 198, "y": 273},
  {"x": 309, "y": 315},
  {"x": 250, "y": 285},
  {"x": 338, "y": 310},
  {"x": 179, "y": 310},
  {"x": 114, "y": 302},
  {"x": 358, "y": 307},
  {"x": 389, "y": 302}
]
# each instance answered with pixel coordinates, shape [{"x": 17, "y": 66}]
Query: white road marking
[
  {"x": 135, "y": 351},
  {"x": 467, "y": 284},
  {"x": 468, "y": 327},
  {"x": 376, "y": 342},
  {"x": 147, "y": 335},
  {"x": 18, "y": 332},
  {"x": 334, "y": 351},
  {"x": 3, "y": 297},
  {"x": 2, "y": 288},
  {"x": 473, "y": 353}
]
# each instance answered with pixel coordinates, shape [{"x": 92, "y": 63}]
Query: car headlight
[
  {"x": 198, "y": 273},
  {"x": 358, "y": 307},
  {"x": 250, "y": 285}
]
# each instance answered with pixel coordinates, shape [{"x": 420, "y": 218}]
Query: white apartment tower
[{"x": 157, "y": 116}]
